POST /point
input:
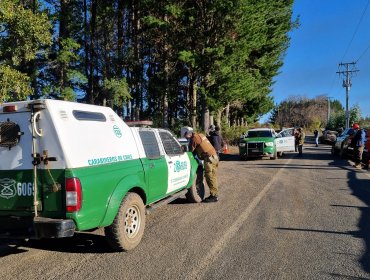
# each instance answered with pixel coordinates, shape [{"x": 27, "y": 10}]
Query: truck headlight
[
  {"x": 241, "y": 144},
  {"x": 269, "y": 144}
]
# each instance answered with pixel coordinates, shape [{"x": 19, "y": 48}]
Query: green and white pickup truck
[
  {"x": 68, "y": 167},
  {"x": 260, "y": 142}
]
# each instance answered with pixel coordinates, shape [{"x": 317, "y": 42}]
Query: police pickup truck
[{"x": 68, "y": 167}]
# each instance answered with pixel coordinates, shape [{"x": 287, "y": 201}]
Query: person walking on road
[
  {"x": 358, "y": 144},
  {"x": 204, "y": 150},
  {"x": 316, "y": 134},
  {"x": 300, "y": 138}
]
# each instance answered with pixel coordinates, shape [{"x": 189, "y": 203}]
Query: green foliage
[
  {"x": 338, "y": 119},
  {"x": 68, "y": 94},
  {"x": 67, "y": 53},
  {"x": 118, "y": 89},
  {"x": 25, "y": 32},
  {"x": 14, "y": 85},
  {"x": 168, "y": 58}
]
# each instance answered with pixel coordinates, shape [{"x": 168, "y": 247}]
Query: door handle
[
  {"x": 170, "y": 162},
  {"x": 151, "y": 165}
]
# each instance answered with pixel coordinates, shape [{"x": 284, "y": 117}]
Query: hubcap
[{"x": 132, "y": 221}]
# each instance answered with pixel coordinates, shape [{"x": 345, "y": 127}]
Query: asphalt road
[{"x": 291, "y": 218}]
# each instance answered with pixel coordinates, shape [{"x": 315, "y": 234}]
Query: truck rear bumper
[{"x": 35, "y": 228}]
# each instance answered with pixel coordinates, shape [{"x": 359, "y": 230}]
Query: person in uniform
[
  {"x": 200, "y": 145},
  {"x": 300, "y": 138}
]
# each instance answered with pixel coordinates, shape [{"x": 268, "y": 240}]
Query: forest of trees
[
  {"x": 314, "y": 113},
  {"x": 173, "y": 61}
]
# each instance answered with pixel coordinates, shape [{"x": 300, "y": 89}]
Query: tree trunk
[
  {"x": 166, "y": 86},
  {"x": 227, "y": 113},
  {"x": 193, "y": 89}
]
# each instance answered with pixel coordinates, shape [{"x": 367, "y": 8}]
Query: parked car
[
  {"x": 260, "y": 142},
  {"x": 328, "y": 137},
  {"x": 343, "y": 142}
]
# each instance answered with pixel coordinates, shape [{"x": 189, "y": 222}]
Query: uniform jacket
[{"x": 359, "y": 138}]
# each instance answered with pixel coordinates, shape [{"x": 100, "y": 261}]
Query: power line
[
  {"x": 363, "y": 53},
  {"x": 358, "y": 25}
]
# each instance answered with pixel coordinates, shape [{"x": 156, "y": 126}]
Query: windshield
[{"x": 260, "y": 133}]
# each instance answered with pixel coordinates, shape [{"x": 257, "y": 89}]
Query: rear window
[
  {"x": 89, "y": 116},
  {"x": 259, "y": 133},
  {"x": 150, "y": 144}
]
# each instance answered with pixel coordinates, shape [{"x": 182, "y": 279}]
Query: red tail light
[
  {"x": 73, "y": 195},
  {"x": 9, "y": 108}
]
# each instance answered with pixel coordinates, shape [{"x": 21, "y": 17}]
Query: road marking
[{"x": 203, "y": 264}]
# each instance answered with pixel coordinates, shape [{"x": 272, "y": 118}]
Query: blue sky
[{"x": 327, "y": 29}]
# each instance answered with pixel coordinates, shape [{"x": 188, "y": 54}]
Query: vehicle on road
[
  {"x": 342, "y": 142},
  {"x": 328, "y": 137},
  {"x": 261, "y": 142},
  {"x": 68, "y": 167}
]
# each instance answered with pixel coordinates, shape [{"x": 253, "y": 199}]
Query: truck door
[
  {"x": 155, "y": 165},
  {"x": 285, "y": 140},
  {"x": 178, "y": 162},
  {"x": 16, "y": 169}
]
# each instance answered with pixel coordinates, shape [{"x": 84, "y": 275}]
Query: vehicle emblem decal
[
  {"x": 117, "y": 131},
  {"x": 7, "y": 188}
]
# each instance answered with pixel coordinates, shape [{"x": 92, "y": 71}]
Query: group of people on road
[
  {"x": 358, "y": 143},
  {"x": 208, "y": 147}
]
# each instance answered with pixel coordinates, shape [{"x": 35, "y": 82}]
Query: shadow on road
[
  {"x": 80, "y": 243},
  {"x": 360, "y": 187}
]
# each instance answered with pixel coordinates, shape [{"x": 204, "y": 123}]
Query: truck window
[
  {"x": 150, "y": 144},
  {"x": 89, "y": 116},
  {"x": 171, "y": 146}
]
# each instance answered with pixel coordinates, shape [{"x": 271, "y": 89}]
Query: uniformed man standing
[{"x": 205, "y": 151}]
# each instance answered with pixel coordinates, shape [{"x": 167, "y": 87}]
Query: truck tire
[
  {"x": 196, "y": 192},
  {"x": 127, "y": 229}
]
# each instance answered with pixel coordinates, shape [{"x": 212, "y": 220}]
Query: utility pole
[{"x": 347, "y": 73}]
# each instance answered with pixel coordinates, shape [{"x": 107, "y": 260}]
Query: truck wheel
[
  {"x": 127, "y": 229},
  {"x": 196, "y": 192}
]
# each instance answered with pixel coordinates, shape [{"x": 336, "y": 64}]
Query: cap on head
[
  {"x": 186, "y": 129},
  {"x": 356, "y": 126}
]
